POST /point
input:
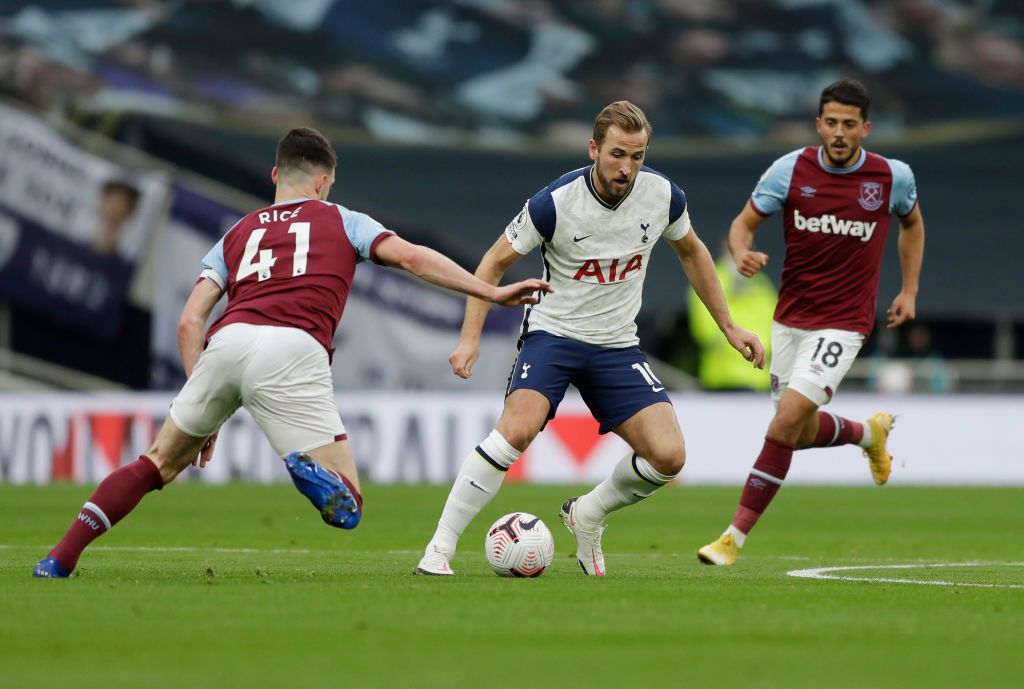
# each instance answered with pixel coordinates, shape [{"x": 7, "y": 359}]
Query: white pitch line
[
  {"x": 826, "y": 573},
  {"x": 169, "y": 549}
]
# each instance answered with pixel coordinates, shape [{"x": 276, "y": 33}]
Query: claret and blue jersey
[
  {"x": 292, "y": 265},
  {"x": 836, "y": 221}
]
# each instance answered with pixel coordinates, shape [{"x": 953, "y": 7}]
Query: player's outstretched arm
[
  {"x": 741, "y": 242},
  {"x": 481, "y": 287},
  {"x": 911, "y": 248},
  {"x": 700, "y": 270},
  {"x": 438, "y": 269}
]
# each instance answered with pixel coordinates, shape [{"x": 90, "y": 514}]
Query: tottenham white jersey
[{"x": 595, "y": 255}]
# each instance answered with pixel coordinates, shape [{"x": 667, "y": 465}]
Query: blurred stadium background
[{"x": 133, "y": 133}]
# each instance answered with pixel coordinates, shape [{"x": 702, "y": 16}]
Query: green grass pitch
[{"x": 243, "y": 586}]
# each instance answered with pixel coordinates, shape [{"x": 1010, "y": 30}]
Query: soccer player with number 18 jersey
[{"x": 837, "y": 201}]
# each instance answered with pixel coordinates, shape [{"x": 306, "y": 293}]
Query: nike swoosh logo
[
  {"x": 580, "y": 239},
  {"x": 478, "y": 486},
  {"x": 526, "y": 526}
]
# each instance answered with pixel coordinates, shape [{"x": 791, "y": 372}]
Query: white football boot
[
  {"x": 588, "y": 540},
  {"x": 437, "y": 560}
]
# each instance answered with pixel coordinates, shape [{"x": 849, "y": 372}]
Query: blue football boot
[
  {"x": 49, "y": 568},
  {"x": 331, "y": 496}
]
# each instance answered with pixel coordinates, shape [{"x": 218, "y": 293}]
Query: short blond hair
[{"x": 626, "y": 116}]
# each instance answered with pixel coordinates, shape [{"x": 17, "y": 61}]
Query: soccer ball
[{"x": 519, "y": 545}]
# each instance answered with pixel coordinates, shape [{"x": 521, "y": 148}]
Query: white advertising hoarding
[{"x": 422, "y": 437}]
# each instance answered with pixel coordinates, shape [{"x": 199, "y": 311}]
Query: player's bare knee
[
  {"x": 669, "y": 461},
  {"x": 519, "y": 438}
]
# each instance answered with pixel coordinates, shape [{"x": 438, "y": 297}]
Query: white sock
[
  {"x": 737, "y": 535},
  {"x": 480, "y": 477},
  {"x": 866, "y": 440},
  {"x": 632, "y": 480}
]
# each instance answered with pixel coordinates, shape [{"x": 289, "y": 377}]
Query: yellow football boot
[
  {"x": 722, "y": 552},
  {"x": 878, "y": 456}
]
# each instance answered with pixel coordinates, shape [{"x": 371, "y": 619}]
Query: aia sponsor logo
[
  {"x": 871, "y": 196},
  {"x": 616, "y": 270}
]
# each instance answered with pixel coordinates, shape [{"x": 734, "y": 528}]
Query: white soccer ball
[{"x": 519, "y": 545}]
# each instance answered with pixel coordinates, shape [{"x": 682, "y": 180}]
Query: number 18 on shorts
[{"x": 812, "y": 362}]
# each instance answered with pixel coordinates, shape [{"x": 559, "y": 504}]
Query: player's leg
[
  {"x": 806, "y": 368},
  {"x": 657, "y": 458},
  {"x": 537, "y": 384},
  {"x": 835, "y": 351},
  {"x": 208, "y": 398},
  {"x": 482, "y": 474},
  {"x": 287, "y": 388},
  {"x": 118, "y": 494},
  {"x": 327, "y": 476},
  {"x": 625, "y": 396}
]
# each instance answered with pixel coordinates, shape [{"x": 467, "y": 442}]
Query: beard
[
  {"x": 609, "y": 188},
  {"x": 850, "y": 152}
]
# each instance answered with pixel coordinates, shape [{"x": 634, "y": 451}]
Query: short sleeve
[
  {"x": 903, "y": 197},
  {"x": 522, "y": 233},
  {"x": 215, "y": 268},
  {"x": 363, "y": 231},
  {"x": 678, "y": 214},
  {"x": 772, "y": 189}
]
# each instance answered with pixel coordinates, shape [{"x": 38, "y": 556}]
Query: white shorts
[
  {"x": 282, "y": 377},
  {"x": 812, "y": 362}
]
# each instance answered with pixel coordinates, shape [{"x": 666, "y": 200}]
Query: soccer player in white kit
[
  {"x": 596, "y": 227},
  {"x": 287, "y": 270}
]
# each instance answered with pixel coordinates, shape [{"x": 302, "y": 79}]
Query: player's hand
[
  {"x": 746, "y": 343},
  {"x": 903, "y": 309},
  {"x": 519, "y": 293},
  {"x": 462, "y": 359},
  {"x": 750, "y": 262},
  {"x": 205, "y": 454}
]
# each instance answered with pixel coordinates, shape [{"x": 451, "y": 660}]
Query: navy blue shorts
[{"x": 614, "y": 383}]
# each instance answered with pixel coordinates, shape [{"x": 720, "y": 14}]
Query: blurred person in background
[
  {"x": 287, "y": 270},
  {"x": 836, "y": 201},
  {"x": 117, "y": 203},
  {"x": 751, "y": 301}
]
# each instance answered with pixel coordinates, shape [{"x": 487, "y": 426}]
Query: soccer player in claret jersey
[
  {"x": 836, "y": 200},
  {"x": 287, "y": 270},
  {"x": 596, "y": 227}
]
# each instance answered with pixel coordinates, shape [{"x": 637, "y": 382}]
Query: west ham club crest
[{"x": 870, "y": 196}]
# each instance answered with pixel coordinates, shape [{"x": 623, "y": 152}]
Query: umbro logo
[
  {"x": 809, "y": 192},
  {"x": 580, "y": 239}
]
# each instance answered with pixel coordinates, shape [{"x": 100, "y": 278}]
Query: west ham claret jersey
[
  {"x": 836, "y": 221},
  {"x": 292, "y": 265}
]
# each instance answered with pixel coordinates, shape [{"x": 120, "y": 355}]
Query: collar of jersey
[
  {"x": 297, "y": 199},
  {"x": 593, "y": 192},
  {"x": 840, "y": 170}
]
